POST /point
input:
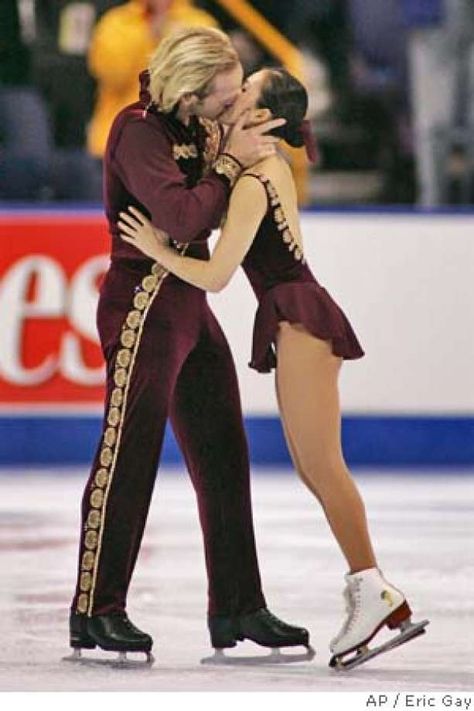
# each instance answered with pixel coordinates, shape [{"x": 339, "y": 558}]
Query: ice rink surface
[{"x": 422, "y": 525}]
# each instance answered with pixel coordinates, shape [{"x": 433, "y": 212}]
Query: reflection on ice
[{"x": 423, "y": 526}]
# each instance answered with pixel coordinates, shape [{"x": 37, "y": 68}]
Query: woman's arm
[{"x": 247, "y": 207}]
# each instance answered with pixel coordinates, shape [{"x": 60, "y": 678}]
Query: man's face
[
  {"x": 248, "y": 98},
  {"x": 221, "y": 95}
]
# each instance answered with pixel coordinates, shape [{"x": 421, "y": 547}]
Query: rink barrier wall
[
  {"x": 368, "y": 441},
  {"x": 403, "y": 277}
]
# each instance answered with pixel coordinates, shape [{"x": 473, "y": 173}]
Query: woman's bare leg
[
  {"x": 307, "y": 374},
  {"x": 292, "y": 449}
]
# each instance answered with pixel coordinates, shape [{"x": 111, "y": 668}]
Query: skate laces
[
  {"x": 125, "y": 621},
  {"x": 352, "y": 605},
  {"x": 270, "y": 616},
  {"x": 276, "y": 621}
]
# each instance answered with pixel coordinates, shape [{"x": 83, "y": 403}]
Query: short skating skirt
[{"x": 310, "y": 305}]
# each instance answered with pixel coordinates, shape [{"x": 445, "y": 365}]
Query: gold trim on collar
[{"x": 212, "y": 142}]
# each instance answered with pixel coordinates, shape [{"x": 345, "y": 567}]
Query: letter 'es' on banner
[{"x": 51, "y": 267}]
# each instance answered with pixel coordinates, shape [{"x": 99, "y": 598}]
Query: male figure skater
[{"x": 167, "y": 356}]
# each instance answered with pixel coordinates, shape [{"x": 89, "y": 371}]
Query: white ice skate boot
[{"x": 371, "y": 603}]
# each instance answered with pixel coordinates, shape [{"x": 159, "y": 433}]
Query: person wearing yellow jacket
[{"x": 121, "y": 45}]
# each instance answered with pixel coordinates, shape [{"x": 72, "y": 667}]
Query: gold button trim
[
  {"x": 88, "y": 560},
  {"x": 95, "y": 516},
  {"x": 158, "y": 270},
  {"x": 117, "y": 397},
  {"x": 133, "y": 319},
  {"x": 110, "y": 436},
  {"x": 113, "y": 418},
  {"x": 97, "y": 498},
  {"x": 124, "y": 357},
  {"x": 101, "y": 477},
  {"x": 93, "y": 519},
  {"x": 91, "y": 540},
  {"x": 127, "y": 338},
  {"x": 106, "y": 456},
  {"x": 140, "y": 300},
  {"x": 85, "y": 582},
  {"x": 120, "y": 377},
  {"x": 82, "y": 603},
  {"x": 150, "y": 282}
]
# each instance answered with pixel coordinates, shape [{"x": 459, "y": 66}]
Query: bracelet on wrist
[{"x": 228, "y": 166}]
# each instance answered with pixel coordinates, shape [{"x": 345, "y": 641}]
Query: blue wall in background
[{"x": 383, "y": 441}]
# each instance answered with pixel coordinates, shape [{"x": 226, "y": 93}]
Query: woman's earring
[{"x": 258, "y": 116}]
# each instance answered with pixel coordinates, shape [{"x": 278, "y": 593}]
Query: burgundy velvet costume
[
  {"x": 287, "y": 290},
  {"x": 166, "y": 357}
]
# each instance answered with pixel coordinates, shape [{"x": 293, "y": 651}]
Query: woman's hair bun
[{"x": 292, "y": 135}]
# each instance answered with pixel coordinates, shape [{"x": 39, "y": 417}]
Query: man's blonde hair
[{"x": 186, "y": 62}]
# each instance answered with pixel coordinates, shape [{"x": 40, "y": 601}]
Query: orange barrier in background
[{"x": 290, "y": 57}]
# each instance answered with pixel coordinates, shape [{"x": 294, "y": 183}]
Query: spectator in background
[
  {"x": 25, "y": 139},
  {"x": 377, "y": 95},
  {"x": 121, "y": 45},
  {"x": 319, "y": 26},
  {"x": 62, "y": 34},
  {"x": 441, "y": 52},
  {"x": 63, "y": 31},
  {"x": 297, "y": 22}
]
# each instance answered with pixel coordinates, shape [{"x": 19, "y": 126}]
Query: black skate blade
[
  {"x": 219, "y": 658},
  {"x": 408, "y": 632},
  {"x": 119, "y": 662}
]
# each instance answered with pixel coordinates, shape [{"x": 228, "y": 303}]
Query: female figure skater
[{"x": 302, "y": 332}]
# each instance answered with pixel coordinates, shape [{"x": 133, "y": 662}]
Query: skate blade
[
  {"x": 408, "y": 631},
  {"x": 219, "y": 658},
  {"x": 120, "y": 662}
]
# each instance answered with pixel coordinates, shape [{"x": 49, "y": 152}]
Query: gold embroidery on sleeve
[
  {"x": 185, "y": 151},
  {"x": 212, "y": 143}
]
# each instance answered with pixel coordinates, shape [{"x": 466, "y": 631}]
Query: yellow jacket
[{"x": 120, "y": 49}]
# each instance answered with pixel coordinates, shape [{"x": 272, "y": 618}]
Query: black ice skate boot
[
  {"x": 261, "y": 627},
  {"x": 113, "y": 633}
]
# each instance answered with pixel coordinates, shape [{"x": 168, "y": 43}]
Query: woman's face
[{"x": 248, "y": 98}]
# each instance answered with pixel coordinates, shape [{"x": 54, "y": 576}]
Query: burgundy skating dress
[{"x": 287, "y": 290}]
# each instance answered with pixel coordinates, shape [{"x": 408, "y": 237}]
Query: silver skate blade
[
  {"x": 219, "y": 658},
  {"x": 408, "y": 631},
  {"x": 120, "y": 662}
]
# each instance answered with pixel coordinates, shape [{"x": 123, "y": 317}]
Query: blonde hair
[{"x": 186, "y": 62}]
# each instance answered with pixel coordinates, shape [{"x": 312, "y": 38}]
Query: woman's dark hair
[{"x": 287, "y": 98}]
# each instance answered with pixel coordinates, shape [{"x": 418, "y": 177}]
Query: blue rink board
[{"x": 391, "y": 441}]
